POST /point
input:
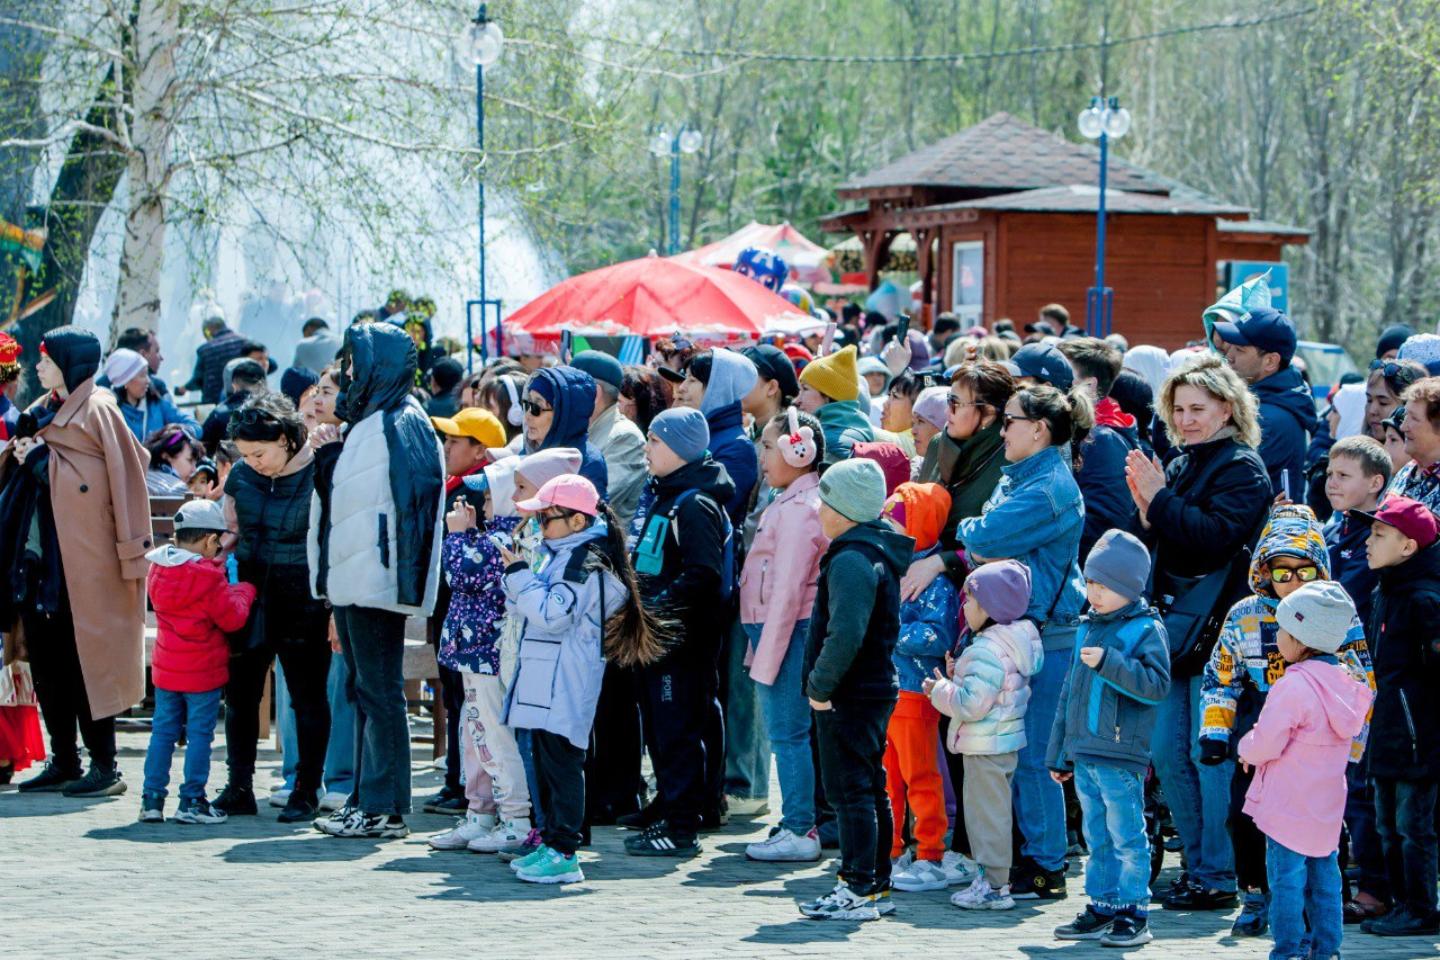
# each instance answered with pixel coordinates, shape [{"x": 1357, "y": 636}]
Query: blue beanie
[
  {"x": 1120, "y": 562},
  {"x": 600, "y": 365},
  {"x": 683, "y": 429},
  {"x": 855, "y": 489}
]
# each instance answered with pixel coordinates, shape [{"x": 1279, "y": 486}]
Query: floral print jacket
[{"x": 470, "y": 639}]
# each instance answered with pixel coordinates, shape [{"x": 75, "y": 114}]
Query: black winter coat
[{"x": 1404, "y": 639}]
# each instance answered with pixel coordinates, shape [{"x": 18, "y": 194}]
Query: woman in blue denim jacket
[{"x": 1035, "y": 516}]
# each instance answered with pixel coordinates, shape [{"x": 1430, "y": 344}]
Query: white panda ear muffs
[
  {"x": 797, "y": 447},
  {"x": 516, "y": 413}
]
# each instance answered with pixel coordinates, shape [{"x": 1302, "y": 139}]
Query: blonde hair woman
[{"x": 1198, "y": 515}]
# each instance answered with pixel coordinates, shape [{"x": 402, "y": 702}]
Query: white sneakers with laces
[
  {"x": 506, "y": 836},
  {"x": 981, "y": 896},
  {"x": 458, "y": 837},
  {"x": 920, "y": 875},
  {"x": 786, "y": 846},
  {"x": 960, "y": 870}
]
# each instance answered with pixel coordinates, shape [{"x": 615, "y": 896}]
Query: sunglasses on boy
[{"x": 1305, "y": 574}]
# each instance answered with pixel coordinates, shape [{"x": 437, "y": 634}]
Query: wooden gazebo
[{"x": 1003, "y": 217}]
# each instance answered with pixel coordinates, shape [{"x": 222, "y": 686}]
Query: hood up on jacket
[
  {"x": 571, "y": 392},
  {"x": 1286, "y": 390},
  {"x": 171, "y": 556},
  {"x": 1291, "y": 531},
  {"x": 75, "y": 351},
  {"x": 383, "y": 359},
  {"x": 732, "y": 376},
  {"x": 1342, "y": 700}
]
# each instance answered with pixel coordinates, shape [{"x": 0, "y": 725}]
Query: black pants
[
  {"x": 852, "y": 764},
  {"x": 713, "y": 731},
  {"x": 452, "y": 694},
  {"x": 1405, "y": 819},
  {"x": 1245, "y": 837},
  {"x": 560, "y": 775},
  {"x": 60, "y": 689},
  {"x": 307, "y": 672},
  {"x": 614, "y": 785},
  {"x": 955, "y": 766},
  {"x": 678, "y": 699}
]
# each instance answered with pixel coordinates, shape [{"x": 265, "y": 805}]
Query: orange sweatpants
[{"x": 912, "y": 775}]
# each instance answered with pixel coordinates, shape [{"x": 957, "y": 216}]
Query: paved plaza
[{"x": 83, "y": 879}]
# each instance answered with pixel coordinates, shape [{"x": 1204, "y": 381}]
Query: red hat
[
  {"x": 10, "y": 349},
  {"x": 798, "y": 355},
  {"x": 890, "y": 458},
  {"x": 1410, "y": 517},
  {"x": 922, "y": 509}
]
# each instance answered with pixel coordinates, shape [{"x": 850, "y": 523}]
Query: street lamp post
[
  {"x": 482, "y": 41},
  {"x": 1103, "y": 120},
  {"x": 685, "y": 140}
]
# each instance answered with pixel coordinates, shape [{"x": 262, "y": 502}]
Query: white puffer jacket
[{"x": 363, "y": 534}]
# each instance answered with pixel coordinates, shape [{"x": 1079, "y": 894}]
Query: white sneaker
[
  {"x": 960, "y": 870},
  {"x": 459, "y": 836},
  {"x": 842, "y": 903},
  {"x": 981, "y": 896},
  {"x": 746, "y": 806},
  {"x": 786, "y": 846},
  {"x": 509, "y": 835},
  {"x": 920, "y": 875},
  {"x": 902, "y": 862},
  {"x": 333, "y": 801},
  {"x": 278, "y": 798}
]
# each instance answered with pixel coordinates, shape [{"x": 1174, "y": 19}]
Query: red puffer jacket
[{"x": 195, "y": 607}]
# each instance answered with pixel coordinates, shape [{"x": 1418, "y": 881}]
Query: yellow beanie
[{"x": 836, "y": 376}]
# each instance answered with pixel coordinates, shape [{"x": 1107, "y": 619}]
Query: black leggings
[
  {"x": 307, "y": 672},
  {"x": 60, "y": 689}
]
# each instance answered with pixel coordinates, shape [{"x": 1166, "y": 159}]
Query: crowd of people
[{"x": 992, "y": 599}]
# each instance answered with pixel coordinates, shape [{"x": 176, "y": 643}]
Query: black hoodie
[{"x": 1403, "y": 630}]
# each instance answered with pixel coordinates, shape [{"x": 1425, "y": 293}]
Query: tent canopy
[{"x": 806, "y": 259}]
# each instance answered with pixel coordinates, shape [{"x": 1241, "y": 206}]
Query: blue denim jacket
[
  {"x": 929, "y": 625},
  {"x": 1035, "y": 516}
]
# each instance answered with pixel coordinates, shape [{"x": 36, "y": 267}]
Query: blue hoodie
[
  {"x": 1287, "y": 419},
  {"x": 731, "y": 377},
  {"x": 572, "y": 393}
]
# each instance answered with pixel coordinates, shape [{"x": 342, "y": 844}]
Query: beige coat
[{"x": 102, "y": 520}]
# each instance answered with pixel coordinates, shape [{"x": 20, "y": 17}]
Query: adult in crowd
[
  {"x": 1260, "y": 345},
  {"x": 715, "y": 383},
  {"x": 174, "y": 455},
  {"x": 76, "y": 588},
  {"x": 1384, "y": 388},
  {"x": 444, "y": 386},
  {"x": 830, "y": 391},
  {"x": 246, "y": 379},
  {"x": 388, "y": 477},
  {"x": 558, "y": 404},
  {"x": 615, "y": 435},
  {"x": 1132, "y": 395},
  {"x": 1036, "y": 516},
  {"x": 267, "y": 503},
  {"x": 1420, "y": 478},
  {"x": 317, "y": 348},
  {"x": 897, "y": 412},
  {"x": 143, "y": 406},
  {"x": 1387, "y": 347},
  {"x": 295, "y": 382},
  {"x": 220, "y": 347},
  {"x": 1102, "y": 458},
  {"x": 644, "y": 395},
  {"x": 260, "y": 353},
  {"x": 1199, "y": 515},
  {"x": 501, "y": 395}
]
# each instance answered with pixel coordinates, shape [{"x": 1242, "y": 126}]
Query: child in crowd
[
  {"x": 195, "y": 606},
  {"x": 1299, "y": 749},
  {"x": 850, "y": 680},
  {"x": 777, "y": 593},
  {"x": 1102, "y": 734},
  {"x": 985, "y": 694},
  {"x": 1357, "y": 474},
  {"x": 498, "y": 815},
  {"x": 928, "y": 628},
  {"x": 830, "y": 391},
  {"x": 1395, "y": 440},
  {"x": 580, "y": 608},
  {"x": 1245, "y": 662},
  {"x": 1404, "y": 755},
  {"x": 683, "y": 557}
]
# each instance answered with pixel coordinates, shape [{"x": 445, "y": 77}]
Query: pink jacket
[
  {"x": 1300, "y": 746},
  {"x": 782, "y": 570}
]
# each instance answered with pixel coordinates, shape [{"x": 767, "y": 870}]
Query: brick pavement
[{"x": 85, "y": 880}]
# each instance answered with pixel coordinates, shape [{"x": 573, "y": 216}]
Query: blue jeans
[
  {"x": 1113, "y": 803},
  {"x": 525, "y": 742},
  {"x": 787, "y": 724},
  {"x": 1303, "y": 888},
  {"x": 195, "y": 714},
  {"x": 285, "y": 727},
  {"x": 340, "y": 751},
  {"x": 747, "y": 750},
  {"x": 1039, "y": 800},
  {"x": 1198, "y": 795}
]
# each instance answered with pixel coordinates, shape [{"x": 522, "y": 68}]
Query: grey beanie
[
  {"x": 1120, "y": 562},
  {"x": 855, "y": 489},
  {"x": 684, "y": 430},
  {"x": 1002, "y": 588},
  {"x": 1319, "y": 615}
]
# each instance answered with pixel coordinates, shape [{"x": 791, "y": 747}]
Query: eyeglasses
[
  {"x": 1305, "y": 574},
  {"x": 1010, "y": 419},
  {"x": 955, "y": 403},
  {"x": 533, "y": 408}
]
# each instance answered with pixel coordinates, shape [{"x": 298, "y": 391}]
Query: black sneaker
[
  {"x": 97, "y": 782},
  {"x": 1178, "y": 885},
  {"x": 1038, "y": 884},
  {"x": 235, "y": 801},
  {"x": 152, "y": 808},
  {"x": 447, "y": 802},
  {"x": 301, "y": 807},
  {"x": 1197, "y": 897},
  {"x": 657, "y": 840},
  {"x": 1090, "y": 925},
  {"x": 647, "y": 816},
  {"x": 715, "y": 818},
  {"x": 52, "y": 779},
  {"x": 1128, "y": 930},
  {"x": 373, "y": 826},
  {"x": 1402, "y": 923}
]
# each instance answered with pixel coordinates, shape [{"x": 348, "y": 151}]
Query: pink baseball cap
[{"x": 571, "y": 491}]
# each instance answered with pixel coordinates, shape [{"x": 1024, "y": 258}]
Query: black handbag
[{"x": 1193, "y": 610}]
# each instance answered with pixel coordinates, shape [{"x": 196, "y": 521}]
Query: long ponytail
[{"x": 634, "y": 636}]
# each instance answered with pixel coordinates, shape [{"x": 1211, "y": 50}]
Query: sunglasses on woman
[
  {"x": 1305, "y": 574},
  {"x": 533, "y": 408}
]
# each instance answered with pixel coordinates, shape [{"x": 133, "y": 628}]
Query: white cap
[{"x": 201, "y": 515}]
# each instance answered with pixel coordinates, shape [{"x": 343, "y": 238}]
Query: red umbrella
[{"x": 654, "y": 297}]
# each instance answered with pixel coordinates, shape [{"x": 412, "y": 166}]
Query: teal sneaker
[
  {"x": 530, "y": 859},
  {"x": 553, "y": 867}
]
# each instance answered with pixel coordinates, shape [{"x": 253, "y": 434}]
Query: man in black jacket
[
  {"x": 681, "y": 557},
  {"x": 220, "y": 347}
]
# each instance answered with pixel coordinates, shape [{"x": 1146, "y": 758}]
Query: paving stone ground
[{"x": 84, "y": 881}]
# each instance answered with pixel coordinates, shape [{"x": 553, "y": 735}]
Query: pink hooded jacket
[
  {"x": 781, "y": 573},
  {"x": 1300, "y": 746}
]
